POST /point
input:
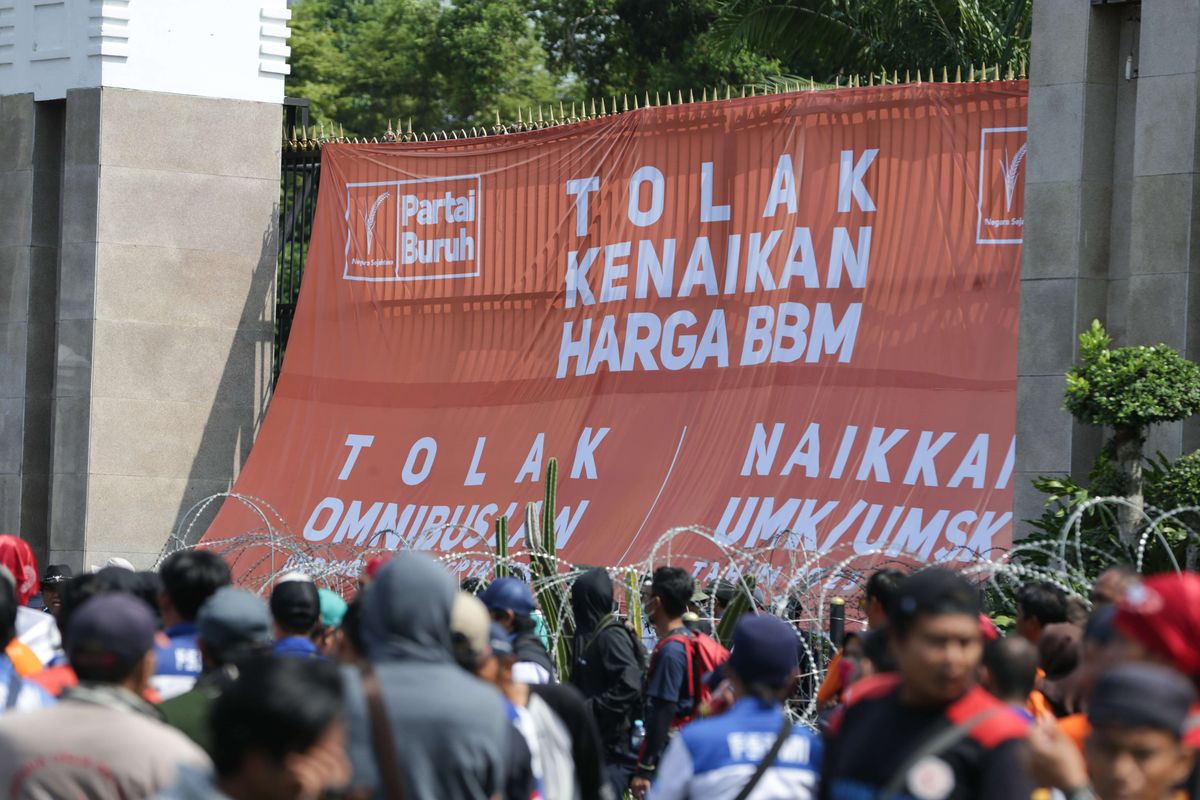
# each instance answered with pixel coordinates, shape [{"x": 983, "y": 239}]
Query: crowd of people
[{"x": 178, "y": 685}]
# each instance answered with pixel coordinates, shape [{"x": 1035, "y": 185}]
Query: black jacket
[
  {"x": 609, "y": 665},
  {"x": 528, "y": 647},
  {"x": 586, "y": 750}
]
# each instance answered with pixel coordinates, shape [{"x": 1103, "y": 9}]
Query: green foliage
[
  {"x": 365, "y": 63},
  {"x": 1174, "y": 485},
  {"x": 543, "y": 564},
  {"x": 633, "y": 46},
  {"x": 1167, "y": 486},
  {"x": 501, "y": 564},
  {"x": 829, "y": 37},
  {"x": 633, "y": 601},
  {"x": 1130, "y": 387},
  {"x": 449, "y": 64}
]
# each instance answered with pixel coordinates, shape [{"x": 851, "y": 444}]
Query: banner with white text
[{"x": 791, "y": 320}]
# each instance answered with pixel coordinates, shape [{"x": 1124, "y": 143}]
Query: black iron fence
[{"x": 301, "y": 171}]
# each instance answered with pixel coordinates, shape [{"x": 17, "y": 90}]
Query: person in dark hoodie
[
  {"x": 610, "y": 666},
  {"x": 449, "y": 731}
]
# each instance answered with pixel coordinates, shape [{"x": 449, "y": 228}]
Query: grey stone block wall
[
  {"x": 137, "y": 260},
  {"x": 169, "y": 306},
  {"x": 30, "y": 178},
  {"x": 1111, "y": 211}
]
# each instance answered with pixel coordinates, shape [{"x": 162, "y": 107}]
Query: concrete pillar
[
  {"x": 139, "y": 169},
  {"x": 1073, "y": 109},
  {"x": 30, "y": 177},
  {"x": 1164, "y": 267},
  {"x": 166, "y": 327},
  {"x": 16, "y": 182}
]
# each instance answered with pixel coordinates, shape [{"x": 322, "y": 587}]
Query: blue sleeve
[{"x": 669, "y": 679}]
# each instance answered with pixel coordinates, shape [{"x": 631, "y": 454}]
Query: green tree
[
  {"x": 1130, "y": 389},
  {"x": 830, "y": 37},
  {"x": 365, "y": 63},
  {"x": 615, "y": 47}
]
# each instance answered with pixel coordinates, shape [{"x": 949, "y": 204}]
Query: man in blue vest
[{"x": 717, "y": 758}]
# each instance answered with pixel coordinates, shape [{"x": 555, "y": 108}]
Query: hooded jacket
[
  {"x": 609, "y": 661},
  {"x": 450, "y": 729}
]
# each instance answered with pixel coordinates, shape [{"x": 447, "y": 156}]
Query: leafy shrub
[{"x": 1130, "y": 387}]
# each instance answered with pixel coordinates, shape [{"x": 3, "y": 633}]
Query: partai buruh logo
[{"x": 413, "y": 230}]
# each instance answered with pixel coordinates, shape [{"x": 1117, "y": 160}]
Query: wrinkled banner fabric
[{"x": 790, "y": 320}]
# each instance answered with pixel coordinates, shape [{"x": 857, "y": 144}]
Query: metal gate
[{"x": 300, "y": 174}]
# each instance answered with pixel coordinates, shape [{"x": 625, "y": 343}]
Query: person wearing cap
[
  {"x": 102, "y": 739},
  {"x": 1136, "y": 749},
  {"x": 328, "y": 633},
  {"x": 231, "y": 627},
  {"x": 371, "y": 569},
  {"x": 715, "y": 758},
  {"x": 929, "y": 730},
  {"x": 296, "y": 609},
  {"x": 1158, "y": 620},
  {"x": 450, "y": 729},
  {"x": 472, "y": 633},
  {"x": 511, "y": 604},
  {"x": 565, "y": 751},
  {"x": 189, "y": 577},
  {"x": 16, "y": 693},
  {"x": 49, "y": 599},
  {"x": 695, "y": 619},
  {"x": 609, "y": 668}
]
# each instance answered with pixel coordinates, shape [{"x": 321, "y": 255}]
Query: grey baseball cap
[{"x": 234, "y": 621}]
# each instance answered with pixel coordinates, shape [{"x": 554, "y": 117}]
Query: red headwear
[
  {"x": 375, "y": 564},
  {"x": 18, "y": 559},
  {"x": 1163, "y": 615}
]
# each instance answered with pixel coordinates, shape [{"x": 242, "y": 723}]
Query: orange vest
[
  {"x": 1076, "y": 727},
  {"x": 23, "y": 659},
  {"x": 831, "y": 686},
  {"x": 1038, "y": 705}
]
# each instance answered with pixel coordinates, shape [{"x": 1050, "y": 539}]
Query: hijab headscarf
[{"x": 17, "y": 557}]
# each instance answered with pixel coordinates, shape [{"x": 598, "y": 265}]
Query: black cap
[
  {"x": 1141, "y": 696},
  {"x": 112, "y": 630},
  {"x": 56, "y": 573},
  {"x": 295, "y": 604}
]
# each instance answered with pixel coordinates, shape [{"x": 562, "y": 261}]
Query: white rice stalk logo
[
  {"x": 1011, "y": 170},
  {"x": 369, "y": 220}
]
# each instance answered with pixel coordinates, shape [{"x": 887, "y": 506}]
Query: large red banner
[{"x": 791, "y": 320}]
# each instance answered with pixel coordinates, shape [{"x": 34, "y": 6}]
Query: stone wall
[
  {"x": 136, "y": 294},
  {"x": 1111, "y": 212}
]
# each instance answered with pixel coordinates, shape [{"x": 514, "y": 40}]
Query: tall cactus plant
[
  {"x": 633, "y": 601},
  {"x": 501, "y": 565},
  {"x": 543, "y": 563}
]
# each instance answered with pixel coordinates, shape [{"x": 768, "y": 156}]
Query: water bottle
[{"x": 638, "y": 736}]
